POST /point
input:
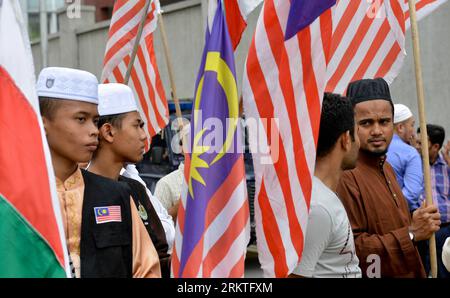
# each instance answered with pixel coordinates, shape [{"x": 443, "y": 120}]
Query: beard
[{"x": 376, "y": 153}]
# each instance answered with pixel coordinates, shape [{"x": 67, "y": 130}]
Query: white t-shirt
[
  {"x": 329, "y": 249},
  {"x": 446, "y": 254}
]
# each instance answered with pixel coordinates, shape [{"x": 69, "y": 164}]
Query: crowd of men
[{"x": 368, "y": 215}]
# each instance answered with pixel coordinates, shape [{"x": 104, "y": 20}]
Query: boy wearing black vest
[
  {"x": 105, "y": 237},
  {"x": 122, "y": 141}
]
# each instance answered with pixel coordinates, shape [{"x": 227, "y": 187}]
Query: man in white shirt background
[{"x": 329, "y": 250}]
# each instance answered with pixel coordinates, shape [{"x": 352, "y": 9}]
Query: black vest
[
  {"x": 105, "y": 248},
  {"x": 151, "y": 222}
]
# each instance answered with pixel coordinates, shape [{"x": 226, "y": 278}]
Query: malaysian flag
[
  {"x": 369, "y": 39},
  {"x": 237, "y": 12},
  {"x": 145, "y": 79},
  {"x": 107, "y": 214},
  {"x": 212, "y": 228},
  {"x": 284, "y": 80}
]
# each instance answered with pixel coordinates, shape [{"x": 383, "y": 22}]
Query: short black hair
[
  {"x": 337, "y": 118},
  {"x": 48, "y": 107},
  {"x": 115, "y": 120},
  {"x": 436, "y": 134}
]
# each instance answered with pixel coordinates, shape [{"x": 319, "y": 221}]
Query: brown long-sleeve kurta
[{"x": 380, "y": 218}]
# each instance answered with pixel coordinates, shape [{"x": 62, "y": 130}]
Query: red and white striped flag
[
  {"x": 284, "y": 80},
  {"x": 236, "y": 12},
  {"x": 369, "y": 39},
  {"x": 145, "y": 79},
  {"x": 368, "y": 42}
]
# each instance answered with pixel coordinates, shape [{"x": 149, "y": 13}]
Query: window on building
[
  {"x": 31, "y": 12},
  {"x": 166, "y": 2}
]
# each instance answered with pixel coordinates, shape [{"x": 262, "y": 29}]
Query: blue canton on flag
[{"x": 303, "y": 13}]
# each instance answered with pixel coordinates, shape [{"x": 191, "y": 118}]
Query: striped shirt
[{"x": 440, "y": 187}]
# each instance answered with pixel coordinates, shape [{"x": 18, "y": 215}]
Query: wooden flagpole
[
  {"x": 423, "y": 128},
  {"x": 172, "y": 79},
  {"x": 137, "y": 41},
  {"x": 169, "y": 67}
]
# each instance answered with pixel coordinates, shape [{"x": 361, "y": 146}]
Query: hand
[
  {"x": 446, "y": 153},
  {"x": 173, "y": 211},
  {"x": 425, "y": 222}
]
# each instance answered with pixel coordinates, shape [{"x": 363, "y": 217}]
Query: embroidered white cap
[
  {"x": 67, "y": 83},
  {"x": 115, "y": 98},
  {"x": 401, "y": 113}
]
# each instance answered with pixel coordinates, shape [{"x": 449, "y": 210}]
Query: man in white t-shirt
[{"x": 329, "y": 250}]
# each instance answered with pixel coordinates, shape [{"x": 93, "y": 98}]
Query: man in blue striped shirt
[
  {"x": 404, "y": 158},
  {"x": 440, "y": 185}
]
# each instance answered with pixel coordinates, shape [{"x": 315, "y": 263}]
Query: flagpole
[
  {"x": 423, "y": 128},
  {"x": 169, "y": 67},
  {"x": 137, "y": 42},
  {"x": 44, "y": 33}
]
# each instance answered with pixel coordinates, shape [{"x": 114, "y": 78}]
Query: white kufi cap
[
  {"x": 401, "y": 113},
  {"x": 68, "y": 83},
  {"x": 115, "y": 99}
]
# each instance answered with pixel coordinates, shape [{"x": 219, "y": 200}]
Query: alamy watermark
[
  {"x": 73, "y": 9},
  {"x": 376, "y": 9},
  {"x": 261, "y": 137}
]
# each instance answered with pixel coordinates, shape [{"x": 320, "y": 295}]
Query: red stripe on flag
[
  {"x": 272, "y": 234},
  {"x": 265, "y": 108},
  {"x": 159, "y": 85},
  {"x": 238, "y": 269},
  {"x": 181, "y": 217},
  {"x": 373, "y": 50},
  {"x": 118, "y": 74},
  {"x": 276, "y": 38},
  {"x": 175, "y": 262},
  {"x": 350, "y": 52},
  {"x": 312, "y": 97},
  {"x": 235, "y": 21},
  {"x": 150, "y": 87},
  {"x": 140, "y": 92},
  {"x": 192, "y": 266},
  {"x": 388, "y": 61},
  {"x": 124, "y": 41},
  {"x": 326, "y": 30},
  {"x": 25, "y": 184},
  {"x": 222, "y": 247},
  {"x": 223, "y": 194},
  {"x": 215, "y": 205},
  {"x": 398, "y": 13},
  {"x": 128, "y": 16},
  {"x": 118, "y": 5},
  {"x": 343, "y": 25}
]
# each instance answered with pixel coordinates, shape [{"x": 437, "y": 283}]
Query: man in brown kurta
[{"x": 383, "y": 229}]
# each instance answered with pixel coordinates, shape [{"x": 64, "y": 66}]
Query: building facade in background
[
  {"x": 31, "y": 15},
  {"x": 81, "y": 44},
  {"x": 31, "y": 9}
]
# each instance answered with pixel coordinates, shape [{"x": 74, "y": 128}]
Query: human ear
[
  {"x": 45, "y": 123},
  {"x": 106, "y": 132},
  {"x": 346, "y": 142}
]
